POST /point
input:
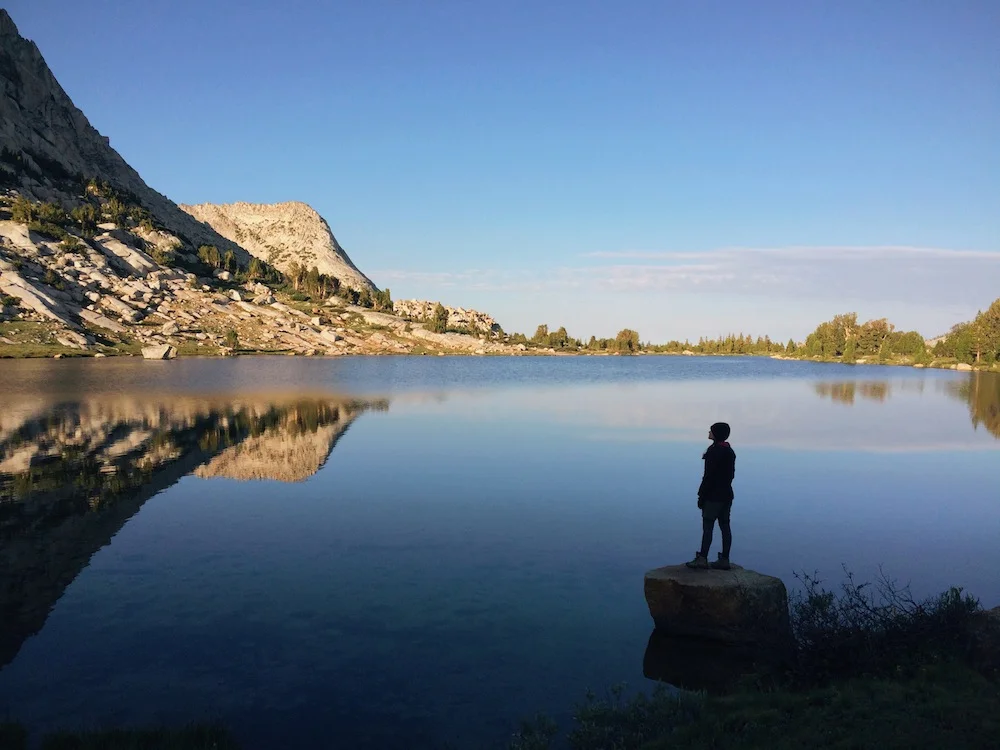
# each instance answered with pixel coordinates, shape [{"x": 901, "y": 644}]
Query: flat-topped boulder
[{"x": 735, "y": 606}]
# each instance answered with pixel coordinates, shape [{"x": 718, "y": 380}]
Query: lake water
[{"x": 408, "y": 552}]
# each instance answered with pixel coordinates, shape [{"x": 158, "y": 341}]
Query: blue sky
[{"x": 683, "y": 168}]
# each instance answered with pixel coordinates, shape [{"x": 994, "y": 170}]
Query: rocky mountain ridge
[{"x": 94, "y": 261}]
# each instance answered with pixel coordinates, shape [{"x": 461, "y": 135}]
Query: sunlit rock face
[{"x": 283, "y": 234}]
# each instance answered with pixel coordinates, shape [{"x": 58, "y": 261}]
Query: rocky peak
[{"x": 283, "y": 234}]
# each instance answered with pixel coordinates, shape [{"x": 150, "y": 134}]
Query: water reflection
[
  {"x": 845, "y": 391},
  {"x": 694, "y": 664},
  {"x": 980, "y": 391},
  {"x": 73, "y": 472}
]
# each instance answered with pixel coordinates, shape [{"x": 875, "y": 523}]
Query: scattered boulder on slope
[{"x": 163, "y": 351}]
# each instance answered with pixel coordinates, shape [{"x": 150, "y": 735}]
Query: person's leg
[
  {"x": 709, "y": 512},
  {"x": 727, "y": 533},
  {"x": 707, "y": 527}
]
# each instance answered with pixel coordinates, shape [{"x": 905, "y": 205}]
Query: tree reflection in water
[{"x": 981, "y": 391}]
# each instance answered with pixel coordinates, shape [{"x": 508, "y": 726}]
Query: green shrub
[
  {"x": 71, "y": 244},
  {"x": 439, "y": 322},
  {"x": 232, "y": 339},
  {"x": 86, "y": 217},
  {"x": 163, "y": 256},
  {"x": 869, "y": 629},
  {"x": 51, "y": 231},
  {"x": 53, "y": 279},
  {"x": 51, "y": 213},
  {"x": 22, "y": 210}
]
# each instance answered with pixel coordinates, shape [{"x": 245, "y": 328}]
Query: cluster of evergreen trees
[
  {"x": 626, "y": 342},
  {"x": 309, "y": 284},
  {"x": 733, "y": 343},
  {"x": 101, "y": 203},
  {"x": 844, "y": 338},
  {"x": 255, "y": 270},
  {"x": 977, "y": 341},
  {"x": 973, "y": 342}
]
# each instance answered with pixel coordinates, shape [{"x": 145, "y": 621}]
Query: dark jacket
[{"x": 720, "y": 468}]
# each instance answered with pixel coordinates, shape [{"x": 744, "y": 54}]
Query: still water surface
[{"x": 418, "y": 551}]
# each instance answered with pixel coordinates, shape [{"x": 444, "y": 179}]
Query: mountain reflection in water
[{"x": 73, "y": 472}]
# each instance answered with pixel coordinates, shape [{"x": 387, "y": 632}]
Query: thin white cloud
[
  {"x": 886, "y": 273},
  {"x": 801, "y": 252},
  {"x": 889, "y": 272},
  {"x": 782, "y": 290}
]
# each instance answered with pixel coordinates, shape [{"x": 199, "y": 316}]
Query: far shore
[{"x": 63, "y": 352}]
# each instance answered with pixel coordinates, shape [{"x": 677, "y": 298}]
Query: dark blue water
[{"x": 472, "y": 550}]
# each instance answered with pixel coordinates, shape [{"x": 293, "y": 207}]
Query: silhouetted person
[{"x": 715, "y": 497}]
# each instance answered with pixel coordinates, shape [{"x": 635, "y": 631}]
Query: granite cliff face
[
  {"x": 283, "y": 234},
  {"x": 48, "y": 142}
]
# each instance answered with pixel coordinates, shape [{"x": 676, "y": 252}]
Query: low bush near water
[{"x": 874, "y": 628}]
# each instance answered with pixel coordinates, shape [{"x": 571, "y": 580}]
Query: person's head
[{"x": 719, "y": 432}]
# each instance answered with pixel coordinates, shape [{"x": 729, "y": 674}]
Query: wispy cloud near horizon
[
  {"x": 897, "y": 273},
  {"x": 937, "y": 286}
]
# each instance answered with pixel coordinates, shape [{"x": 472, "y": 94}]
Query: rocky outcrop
[
  {"x": 736, "y": 606},
  {"x": 459, "y": 318},
  {"x": 49, "y": 141},
  {"x": 283, "y": 234}
]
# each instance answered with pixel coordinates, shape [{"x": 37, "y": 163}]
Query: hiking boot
[
  {"x": 699, "y": 562},
  {"x": 722, "y": 563}
]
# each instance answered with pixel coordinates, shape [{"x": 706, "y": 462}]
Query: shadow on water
[{"x": 72, "y": 472}]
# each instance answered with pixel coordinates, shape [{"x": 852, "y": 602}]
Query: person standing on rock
[{"x": 715, "y": 497}]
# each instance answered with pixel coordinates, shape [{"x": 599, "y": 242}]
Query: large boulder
[
  {"x": 163, "y": 351},
  {"x": 736, "y": 606}
]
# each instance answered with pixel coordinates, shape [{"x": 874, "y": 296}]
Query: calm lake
[{"x": 414, "y": 551}]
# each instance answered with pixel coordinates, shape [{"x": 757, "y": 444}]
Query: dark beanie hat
[{"x": 721, "y": 431}]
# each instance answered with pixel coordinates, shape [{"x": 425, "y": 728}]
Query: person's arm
[{"x": 708, "y": 478}]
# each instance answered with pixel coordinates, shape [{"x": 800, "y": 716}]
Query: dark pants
[{"x": 710, "y": 513}]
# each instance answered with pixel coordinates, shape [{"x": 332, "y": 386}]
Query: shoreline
[{"x": 15, "y": 352}]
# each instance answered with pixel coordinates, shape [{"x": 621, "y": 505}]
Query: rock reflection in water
[
  {"x": 73, "y": 472},
  {"x": 699, "y": 664}
]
